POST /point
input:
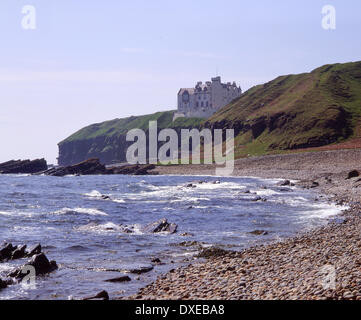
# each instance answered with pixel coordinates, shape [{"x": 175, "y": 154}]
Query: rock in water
[
  {"x": 19, "y": 252},
  {"x": 142, "y": 269},
  {"x": 4, "y": 283},
  {"x": 284, "y": 183},
  {"x": 103, "y": 295},
  {"x": 259, "y": 232},
  {"x": 34, "y": 250},
  {"x": 119, "y": 279},
  {"x": 40, "y": 263},
  {"x": 87, "y": 167},
  {"x": 6, "y": 251},
  {"x": 161, "y": 225}
]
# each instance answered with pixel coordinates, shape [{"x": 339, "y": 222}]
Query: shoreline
[{"x": 295, "y": 268}]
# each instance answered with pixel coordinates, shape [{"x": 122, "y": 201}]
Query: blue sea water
[{"x": 81, "y": 231}]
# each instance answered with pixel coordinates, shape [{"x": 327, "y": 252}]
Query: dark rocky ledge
[
  {"x": 23, "y": 166},
  {"x": 94, "y": 167},
  {"x": 87, "y": 167}
]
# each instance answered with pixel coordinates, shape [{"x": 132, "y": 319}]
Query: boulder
[
  {"x": 315, "y": 184},
  {"x": 41, "y": 264},
  {"x": 156, "y": 261},
  {"x": 284, "y": 183},
  {"x": 119, "y": 279},
  {"x": 102, "y": 295},
  {"x": 34, "y": 250},
  {"x": 141, "y": 269},
  {"x": 161, "y": 225},
  {"x": 259, "y": 233},
  {"x": 255, "y": 199},
  {"x": 352, "y": 174},
  {"x": 212, "y": 252},
  {"x": 4, "y": 283},
  {"x": 6, "y": 251},
  {"x": 19, "y": 252}
]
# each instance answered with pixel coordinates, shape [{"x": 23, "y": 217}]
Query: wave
[
  {"x": 93, "y": 194},
  {"x": 89, "y": 211},
  {"x": 110, "y": 227}
]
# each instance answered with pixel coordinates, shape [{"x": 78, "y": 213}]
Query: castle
[{"x": 205, "y": 99}]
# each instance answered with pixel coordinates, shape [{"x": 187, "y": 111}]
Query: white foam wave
[
  {"x": 89, "y": 211},
  {"x": 93, "y": 194},
  {"x": 323, "y": 210}
]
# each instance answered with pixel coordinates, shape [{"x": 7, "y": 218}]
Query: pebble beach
[{"x": 320, "y": 264}]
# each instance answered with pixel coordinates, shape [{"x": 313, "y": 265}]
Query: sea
[{"x": 80, "y": 220}]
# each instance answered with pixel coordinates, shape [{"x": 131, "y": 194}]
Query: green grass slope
[
  {"x": 107, "y": 140},
  {"x": 296, "y": 111}
]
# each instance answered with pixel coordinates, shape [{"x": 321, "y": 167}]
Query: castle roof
[{"x": 190, "y": 90}]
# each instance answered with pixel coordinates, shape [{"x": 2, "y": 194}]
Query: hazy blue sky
[{"x": 90, "y": 60}]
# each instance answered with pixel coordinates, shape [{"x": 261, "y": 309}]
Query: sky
[{"x": 88, "y": 61}]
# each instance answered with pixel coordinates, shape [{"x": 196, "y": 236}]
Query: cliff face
[
  {"x": 296, "y": 111},
  {"x": 107, "y": 140}
]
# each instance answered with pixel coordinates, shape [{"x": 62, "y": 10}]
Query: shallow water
[{"x": 80, "y": 230}]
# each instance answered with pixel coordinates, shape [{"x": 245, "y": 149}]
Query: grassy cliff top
[
  {"x": 296, "y": 111},
  {"x": 121, "y": 126}
]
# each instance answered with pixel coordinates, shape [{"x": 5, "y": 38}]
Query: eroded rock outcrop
[
  {"x": 38, "y": 261},
  {"x": 94, "y": 167},
  {"x": 23, "y": 166}
]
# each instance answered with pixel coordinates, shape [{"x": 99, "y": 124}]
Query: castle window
[
  {"x": 207, "y": 104},
  {"x": 202, "y": 104},
  {"x": 197, "y": 104}
]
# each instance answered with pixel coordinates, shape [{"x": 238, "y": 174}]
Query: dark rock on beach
[
  {"x": 353, "y": 174},
  {"x": 212, "y": 252},
  {"x": 23, "y": 166},
  {"x": 141, "y": 269}
]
